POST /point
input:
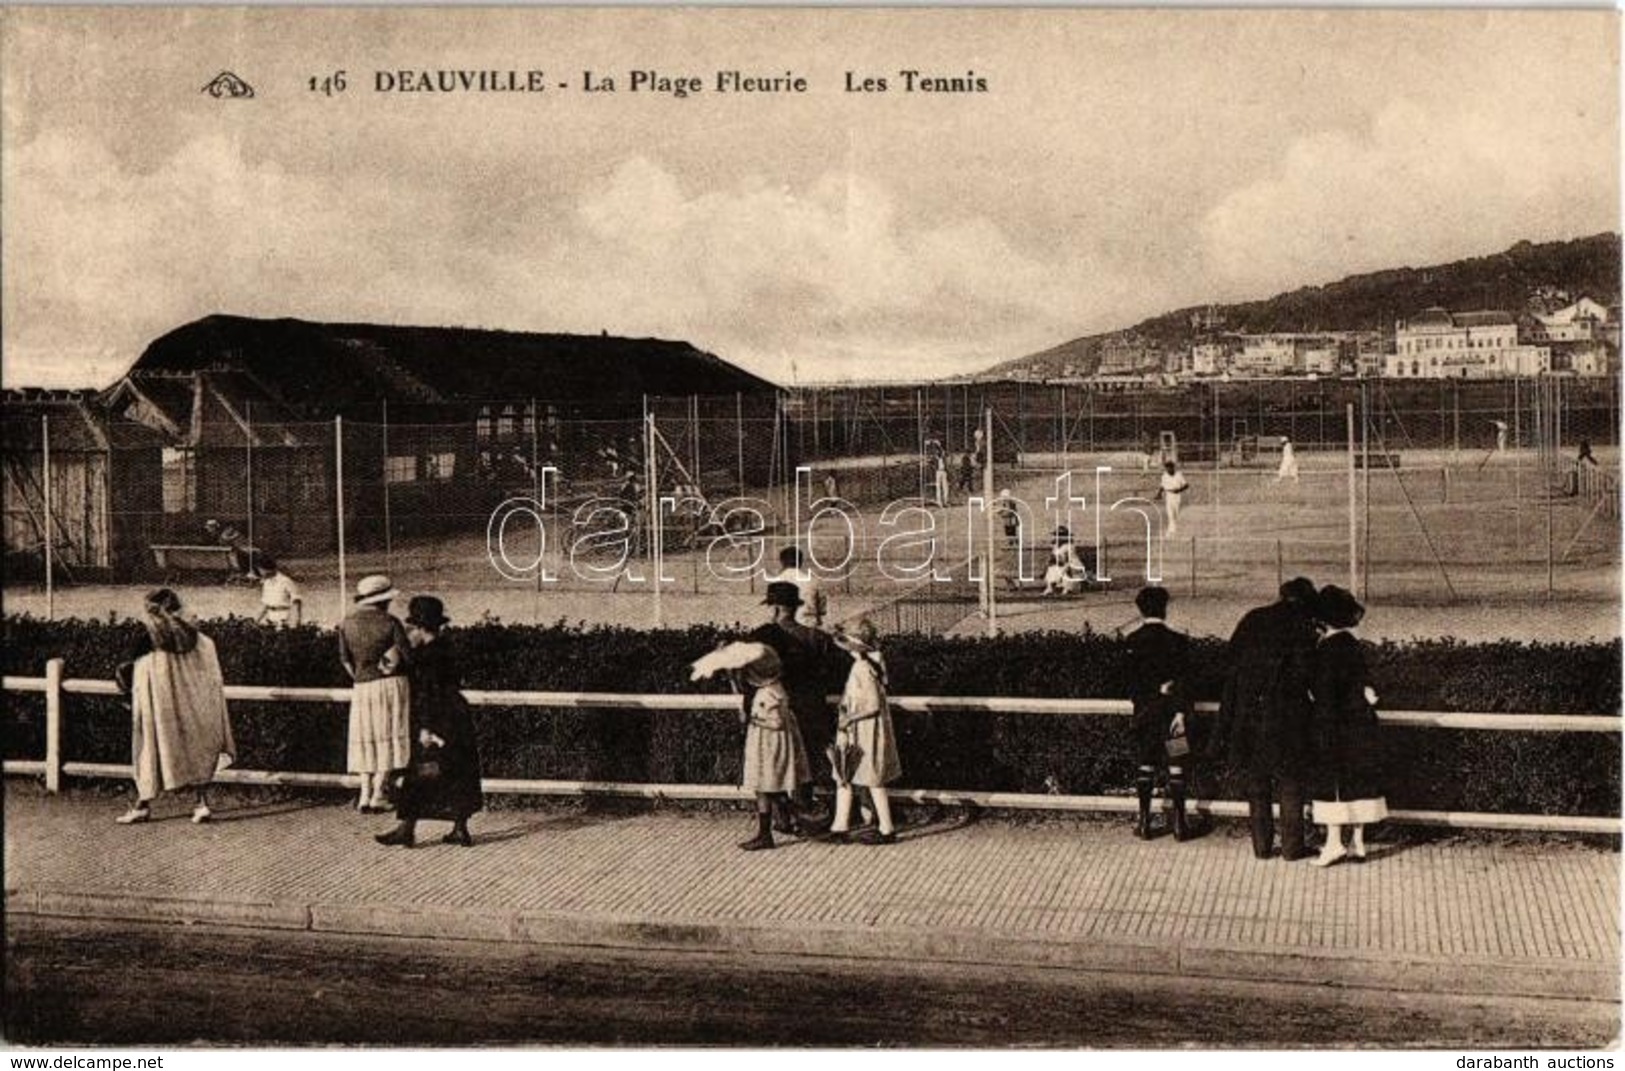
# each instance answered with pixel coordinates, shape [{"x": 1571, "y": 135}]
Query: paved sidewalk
[{"x": 1455, "y": 916}]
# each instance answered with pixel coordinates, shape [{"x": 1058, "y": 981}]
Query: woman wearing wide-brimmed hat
[
  {"x": 1349, "y": 767},
  {"x": 373, "y": 647},
  {"x": 180, "y": 732},
  {"x": 443, "y": 779},
  {"x": 864, "y": 754},
  {"x": 775, "y": 759}
]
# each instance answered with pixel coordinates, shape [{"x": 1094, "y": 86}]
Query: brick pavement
[{"x": 1535, "y": 918}]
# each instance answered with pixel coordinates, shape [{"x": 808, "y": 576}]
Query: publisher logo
[{"x": 227, "y": 86}]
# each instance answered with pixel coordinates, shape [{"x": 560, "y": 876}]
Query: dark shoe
[
  {"x": 399, "y": 835},
  {"x": 875, "y": 836},
  {"x": 758, "y": 843},
  {"x": 1182, "y": 827},
  {"x": 458, "y": 836},
  {"x": 1294, "y": 856},
  {"x": 374, "y": 809}
]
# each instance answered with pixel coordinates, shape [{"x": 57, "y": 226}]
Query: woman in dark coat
[
  {"x": 443, "y": 780},
  {"x": 1349, "y": 775}
]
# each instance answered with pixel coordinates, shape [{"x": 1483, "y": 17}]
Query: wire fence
[{"x": 1460, "y": 489}]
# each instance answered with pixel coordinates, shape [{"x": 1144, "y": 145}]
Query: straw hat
[
  {"x": 375, "y": 589},
  {"x": 861, "y": 636}
]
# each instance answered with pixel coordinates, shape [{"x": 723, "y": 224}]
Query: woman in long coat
[
  {"x": 373, "y": 648},
  {"x": 443, "y": 779},
  {"x": 1349, "y": 769},
  {"x": 180, "y": 734}
]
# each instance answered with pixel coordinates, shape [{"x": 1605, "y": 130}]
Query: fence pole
[
  {"x": 389, "y": 545},
  {"x": 987, "y": 516},
  {"x": 53, "y": 725},
  {"x": 653, "y": 499},
  {"x": 739, "y": 426},
  {"x": 338, "y": 499},
  {"x": 1549, "y": 469},
  {"x": 1354, "y": 520},
  {"x": 50, "y": 520},
  {"x": 1517, "y": 465},
  {"x": 248, "y": 440},
  {"x": 536, "y": 489},
  {"x": 1193, "y": 566},
  {"x": 1365, "y": 488},
  {"x": 1455, "y": 434}
]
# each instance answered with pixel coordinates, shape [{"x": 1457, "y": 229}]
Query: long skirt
[
  {"x": 380, "y": 726},
  {"x": 180, "y": 732},
  {"x": 1348, "y": 785},
  {"x": 775, "y": 759}
]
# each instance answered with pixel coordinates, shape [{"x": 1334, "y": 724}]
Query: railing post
[{"x": 53, "y": 725}]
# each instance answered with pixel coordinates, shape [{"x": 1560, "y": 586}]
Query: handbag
[
  {"x": 1178, "y": 743},
  {"x": 428, "y": 767}
]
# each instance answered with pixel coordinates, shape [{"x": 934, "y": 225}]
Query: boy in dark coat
[
  {"x": 1265, "y": 713},
  {"x": 1157, "y": 661}
]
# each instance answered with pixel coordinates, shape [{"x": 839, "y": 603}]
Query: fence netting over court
[{"x": 530, "y": 510}]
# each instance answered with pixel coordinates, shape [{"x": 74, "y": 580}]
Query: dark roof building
[{"x": 320, "y": 370}]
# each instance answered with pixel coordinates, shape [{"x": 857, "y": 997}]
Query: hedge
[{"x": 1542, "y": 773}]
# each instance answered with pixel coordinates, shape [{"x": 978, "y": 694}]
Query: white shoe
[
  {"x": 1330, "y": 854},
  {"x": 201, "y": 814},
  {"x": 134, "y": 815}
]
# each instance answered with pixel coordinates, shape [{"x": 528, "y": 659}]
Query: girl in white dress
[{"x": 864, "y": 754}]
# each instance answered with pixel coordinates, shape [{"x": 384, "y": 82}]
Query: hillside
[{"x": 1524, "y": 276}]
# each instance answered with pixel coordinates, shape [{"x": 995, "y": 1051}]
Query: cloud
[
  {"x": 814, "y": 273},
  {"x": 827, "y": 273},
  {"x": 1421, "y": 185}
]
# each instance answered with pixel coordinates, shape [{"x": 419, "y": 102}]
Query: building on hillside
[
  {"x": 1583, "y": 321},
  {"x": 1209, "y": 359},
  {"x": 1439, "y": 344},
  {"x": 437, "y": 424},
  {"x": 1129, "y": 355},
  {"x": 105, "y": 479}
]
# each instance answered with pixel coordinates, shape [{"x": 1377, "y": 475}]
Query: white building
[
  {"x": 1583, "y": 321},
  {"x": 1438, "y": 344},
  {"x": 1207, "y": 359},
  {"x": 1266, "y": 355}
]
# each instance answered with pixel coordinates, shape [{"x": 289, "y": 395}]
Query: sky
[{"x": 1119, "y": 165}]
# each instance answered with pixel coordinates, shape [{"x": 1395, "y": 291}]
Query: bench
[
  {"x": 1378, "y": 461},
  {"x": 173, "y": 559}
]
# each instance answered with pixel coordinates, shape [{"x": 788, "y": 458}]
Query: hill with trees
[{"x": 1528, "y": 276}]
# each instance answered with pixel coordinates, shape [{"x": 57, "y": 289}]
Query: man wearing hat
[
  {"x": 1264, "y": 714},
  {"x": 373, "y": 648},
  {"x": 1157, "y": 665},
  {"x": 806, "y": 660}
]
